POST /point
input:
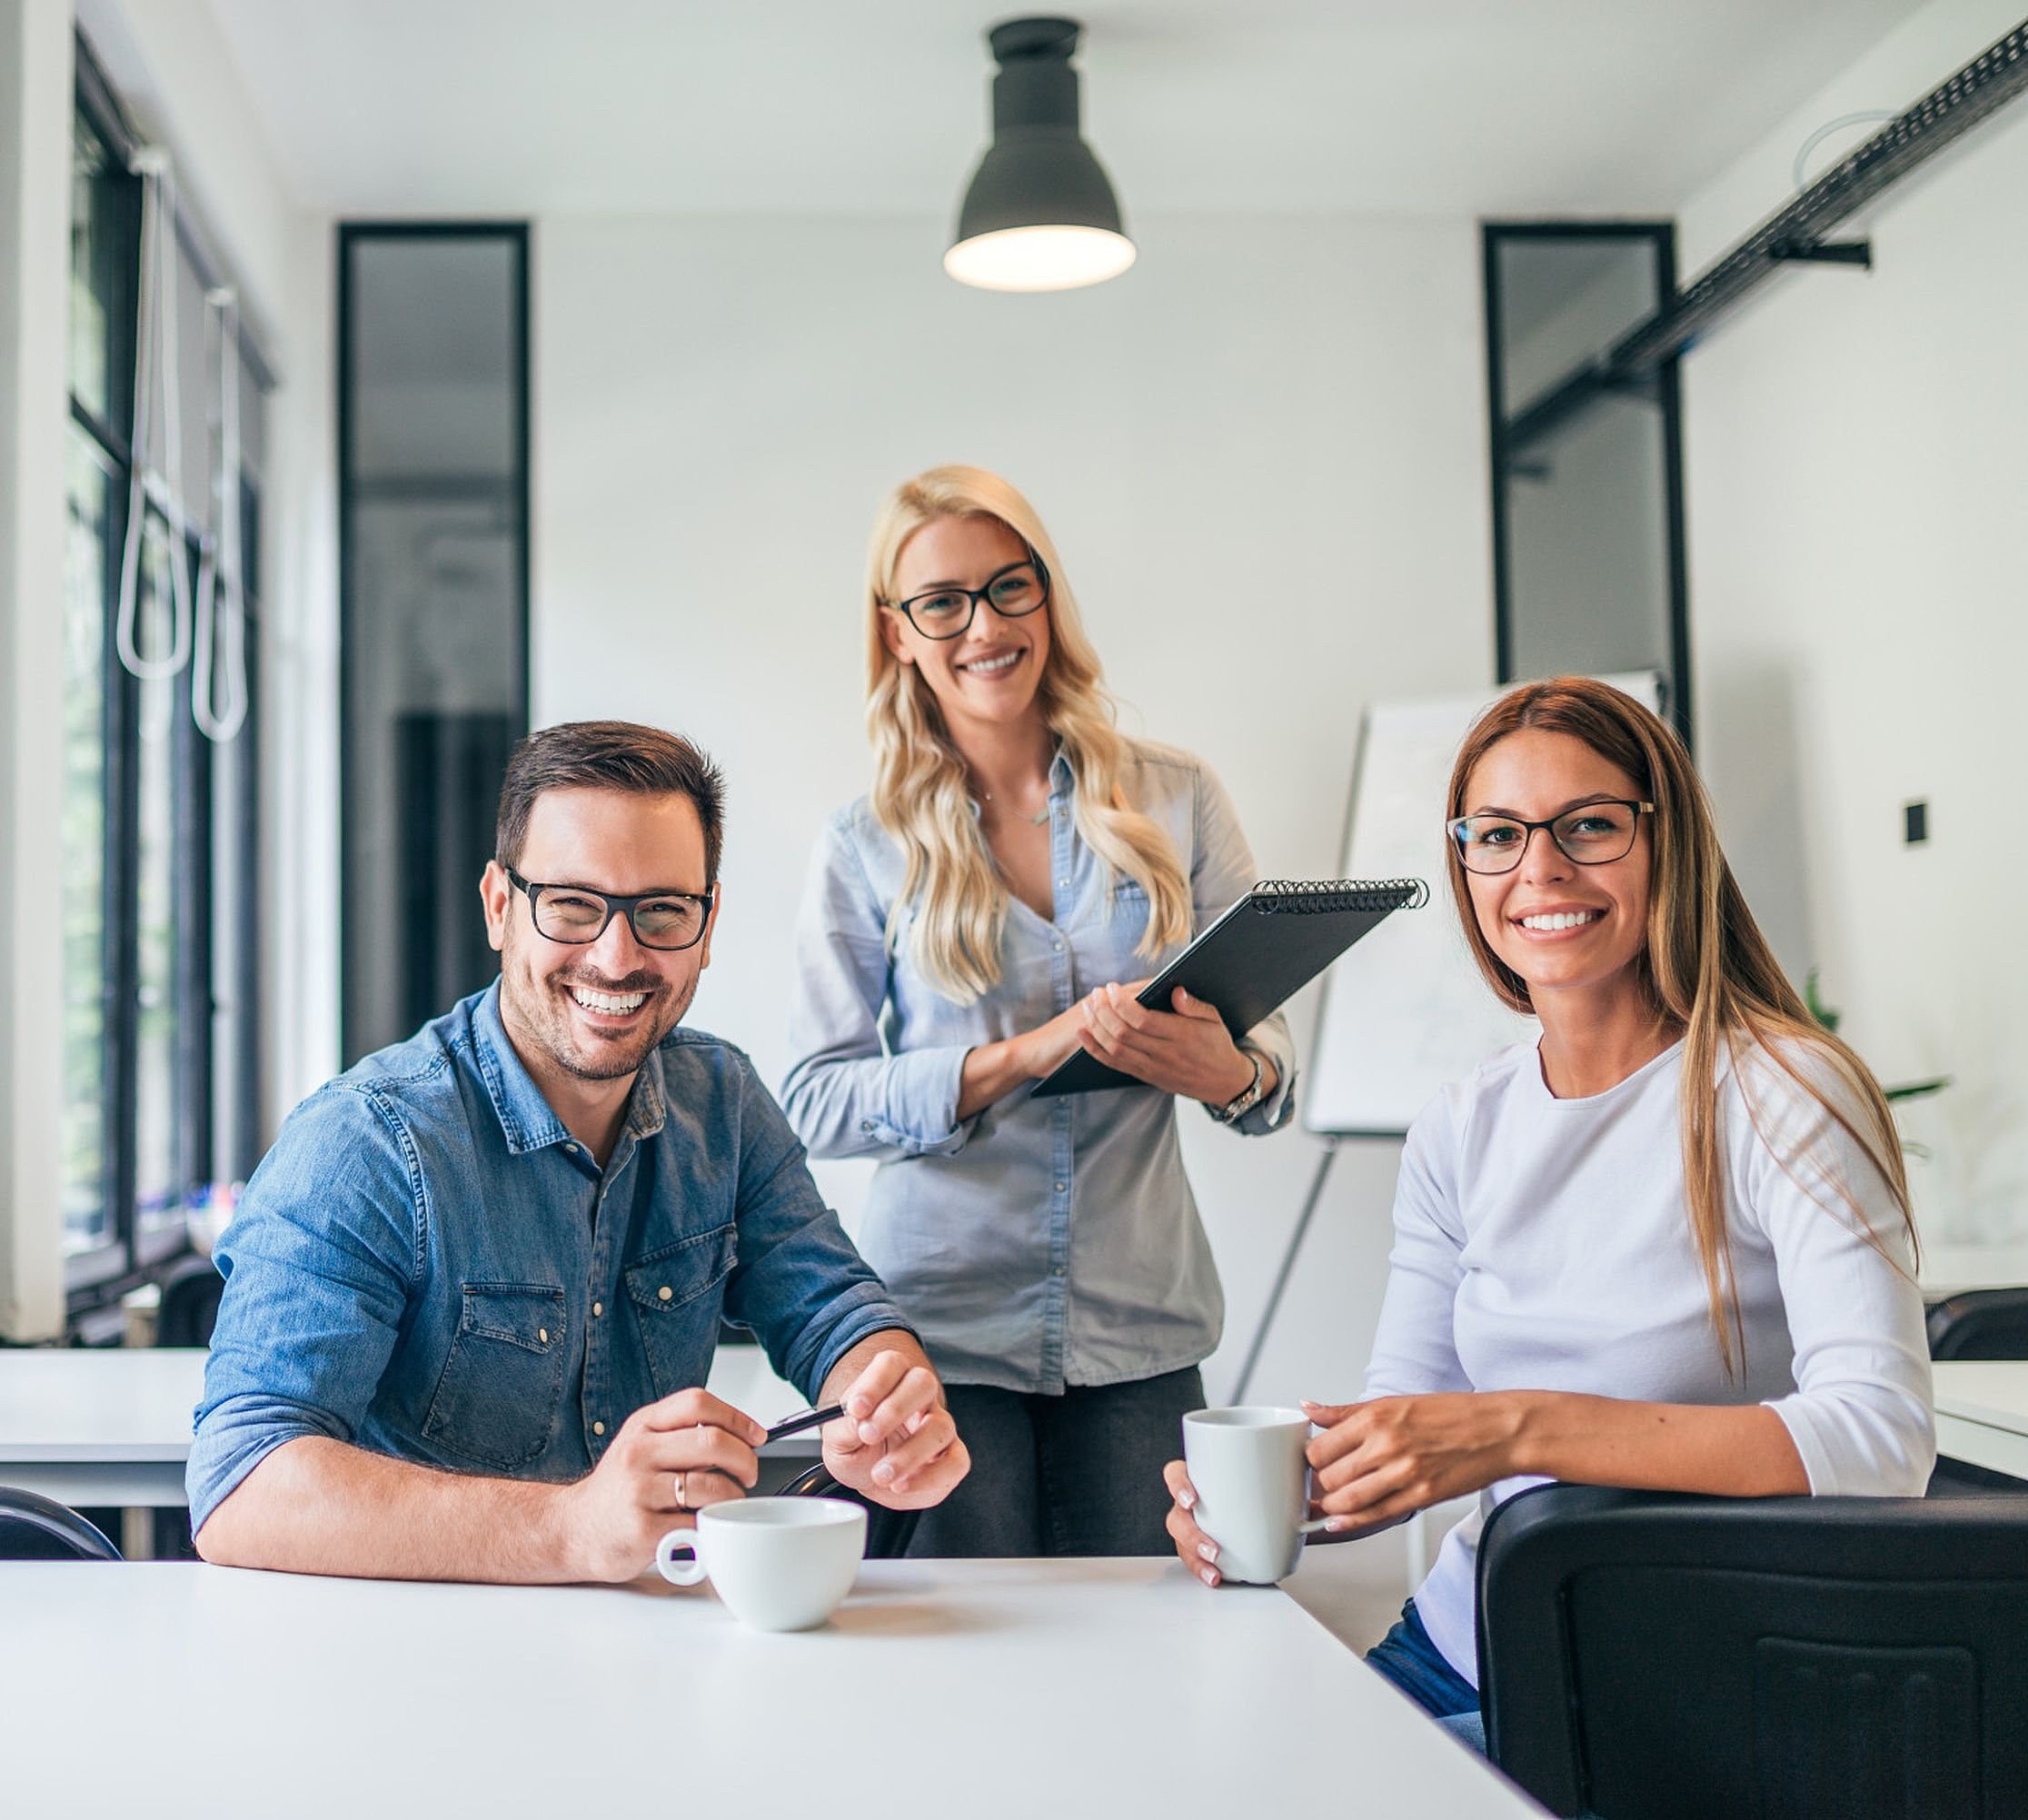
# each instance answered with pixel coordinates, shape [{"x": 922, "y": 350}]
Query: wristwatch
[{"x": 1246, "y": 1099}]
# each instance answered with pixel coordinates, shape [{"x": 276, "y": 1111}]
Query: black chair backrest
[
  {"x": 1980, "y": 1324},
  {"x": 1652, "y": 1657},
  {"x": 37, "y": 1529},
  {"x": 189, "y": 1307}
]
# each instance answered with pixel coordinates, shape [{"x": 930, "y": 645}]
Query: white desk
[
  {"x": 112, "y": 1426},
  {"x": 1982, "y": 1413},
  {"x": 1110, "y": 1689}
]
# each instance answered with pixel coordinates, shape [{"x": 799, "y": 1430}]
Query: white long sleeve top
[{"x": 1544, "y": 1244}]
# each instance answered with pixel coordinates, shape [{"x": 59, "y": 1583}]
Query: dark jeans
[
  {"x": 1409, "y": 1658},
  {"x": 1079, "y": 1474}
]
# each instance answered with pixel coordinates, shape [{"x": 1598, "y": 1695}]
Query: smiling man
[{"x": 471, "y": 1293}]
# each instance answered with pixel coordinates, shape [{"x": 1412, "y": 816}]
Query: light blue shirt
[
  {"x": 1042, "y": 1242},
  {"x": 428, "y": 1265}
]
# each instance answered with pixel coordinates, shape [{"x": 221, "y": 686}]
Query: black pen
[{"x": 809, "y": 1418}]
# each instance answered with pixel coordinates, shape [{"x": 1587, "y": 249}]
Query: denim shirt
[
  {"x": 1041, "y": 1242},
  {"x": 428, "y": 1265}
]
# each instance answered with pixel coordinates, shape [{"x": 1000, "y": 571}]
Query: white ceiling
[{"x": 827, "y": 106}]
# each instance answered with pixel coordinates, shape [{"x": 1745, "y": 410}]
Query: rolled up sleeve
[
  {"x": 800, "y": 1283},
  {"x": 1862, "y": 1415},
  {"x": 1221, "y": 872},
  {"x": 319, "y": 1262},
  {"x": 844, "y": 1093}
]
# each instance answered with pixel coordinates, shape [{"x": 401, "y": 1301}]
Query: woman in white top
[{"x": 1667, "y": 1247}]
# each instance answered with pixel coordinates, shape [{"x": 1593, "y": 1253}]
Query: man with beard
[{"x": 472, "y": 1292}]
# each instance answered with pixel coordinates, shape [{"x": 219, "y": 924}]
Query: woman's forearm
[
  {"x": 990, "y": 1073},
  {"x": 1736, "y": 1451}
]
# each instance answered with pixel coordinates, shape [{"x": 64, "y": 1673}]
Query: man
[{"x": 472, "y": 1290}]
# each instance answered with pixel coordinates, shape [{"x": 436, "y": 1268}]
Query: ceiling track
[{"x": 1983, "y": 86}]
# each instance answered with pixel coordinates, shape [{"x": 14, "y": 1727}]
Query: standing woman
[{"x": 993, "y": 903}]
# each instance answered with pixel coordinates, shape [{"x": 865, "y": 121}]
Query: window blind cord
[
  {"x": 221, "y": 619},
  {"x": 155, "y": 380}
]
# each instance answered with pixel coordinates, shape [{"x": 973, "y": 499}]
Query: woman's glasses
[
  {"x": 1016, "y": 592},
  {"x": 1594, "y": 835}
]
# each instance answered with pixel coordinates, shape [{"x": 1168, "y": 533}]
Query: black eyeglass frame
[
  {"x": 1454, "y": 827},
  {"x": 615, "y": 905},
  {"x": 978, "y": 596}
]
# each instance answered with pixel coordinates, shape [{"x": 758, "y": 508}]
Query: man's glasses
[
  {"x": 570, "y": 913},
  {"x": 1595, "y": 835},
  {"x": 1016, "y": 592}
]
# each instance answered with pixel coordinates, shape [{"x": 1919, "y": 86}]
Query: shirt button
[
  {"x": 665, "y": 1293},
  {"x": 1056, "y": 1270},
  {"x": 598, "y": 1309},
  {"x": 570, "y": 1149},
  {"x": 1063, "y": 1188},
  {"x": 1058, "y": 945},
  {"x": 866, "y": 1124},
  {"x": 541, "y": 1336},
  {"x": 598, "y": 1428}
]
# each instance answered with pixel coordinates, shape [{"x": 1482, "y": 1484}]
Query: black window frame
[
  {"x": 351, "y": 234},
  {"x": 131, "y": 1252},
  {"x": 1661, "y": 235}
]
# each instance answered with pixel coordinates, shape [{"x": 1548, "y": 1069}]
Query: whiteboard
[{"x": 1407, "y": 1010}]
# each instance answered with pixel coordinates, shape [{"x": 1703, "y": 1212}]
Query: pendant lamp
[{"x": 1040, "y": 214}]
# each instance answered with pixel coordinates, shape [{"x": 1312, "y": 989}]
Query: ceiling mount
[{"x": 1038, "y": 214}]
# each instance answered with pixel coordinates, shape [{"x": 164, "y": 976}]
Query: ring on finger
[{"x": 683, "y": 1491}]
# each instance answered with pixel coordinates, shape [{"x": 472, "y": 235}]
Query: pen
[{"x": 809, "y": 1418}]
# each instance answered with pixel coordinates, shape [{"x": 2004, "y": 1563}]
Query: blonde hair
[
  {"x": 921, "y": 791},
  {"x": 1704, "y": 967}
]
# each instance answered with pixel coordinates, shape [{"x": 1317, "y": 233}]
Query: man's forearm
[{"x": 317, "y": 1505}]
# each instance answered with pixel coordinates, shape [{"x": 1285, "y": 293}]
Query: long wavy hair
[
  {"x": 1704, "y": 968},
  {"x": 921, "y": 793}
]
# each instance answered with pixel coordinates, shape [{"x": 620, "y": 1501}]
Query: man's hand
[
  {"x": 616, "y": 1515},
  {"x": 896, "y": 1443}
]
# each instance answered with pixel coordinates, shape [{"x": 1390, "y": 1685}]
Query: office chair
[
  {"x": 37, "y": 1529},
  {"x": 189, "y": 1306},
  {"x": 1979, "y": 1324},
  {"x": 1654, "y": 1657},
  {"x": 887, "y": 1531}
]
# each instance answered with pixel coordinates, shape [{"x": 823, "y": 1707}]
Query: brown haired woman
[{"x": 1668, "y": 1245}]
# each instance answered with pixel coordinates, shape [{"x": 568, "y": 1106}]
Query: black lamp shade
[{"x": 1038, "y": 214}]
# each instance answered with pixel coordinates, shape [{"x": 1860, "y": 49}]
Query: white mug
[
  {"x": 1252, "y": 1486},
  {"x": 777, "y": 1563}
]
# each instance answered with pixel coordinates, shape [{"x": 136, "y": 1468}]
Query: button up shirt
[
  {"x": 427, "y": 1263},
  {"x": 1041, "y": 1242}
]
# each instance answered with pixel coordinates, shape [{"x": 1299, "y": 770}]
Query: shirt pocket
[
  {"x": 674, "y": 1308},
  {"x": 496, "y": 1400}
]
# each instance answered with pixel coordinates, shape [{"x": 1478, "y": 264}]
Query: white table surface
[
  {"x": 1982, "y": 1412},
  {"x": 111, "y": 1425},
  {"x": 1947, "y": 1268},
  {"x": 1043, "y": 1690}
]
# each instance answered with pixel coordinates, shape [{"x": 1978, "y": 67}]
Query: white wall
[
  {"x": 36, "y": 75},
  {"x": 1857, "y": 456},
  {"x": 1261, "y": 453}
]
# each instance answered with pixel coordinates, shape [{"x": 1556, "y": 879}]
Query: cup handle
[{"x": 680, "y": 1573}]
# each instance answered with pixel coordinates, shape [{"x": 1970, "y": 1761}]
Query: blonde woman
[
  {"x": 1667, "y": 1247},
  {"x": 993, "y": 903}
]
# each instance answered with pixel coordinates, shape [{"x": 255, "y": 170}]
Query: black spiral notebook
[{"x": 1262, "y": 951}]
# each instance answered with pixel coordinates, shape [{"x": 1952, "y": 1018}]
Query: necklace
[{"x": 1033, "y": 821}]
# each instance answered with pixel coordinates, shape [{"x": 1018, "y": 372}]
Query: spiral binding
[{"x": 1313, "y": 897}]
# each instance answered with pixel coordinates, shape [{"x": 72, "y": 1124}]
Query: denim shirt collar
[{"x": 527, "y": 1120}]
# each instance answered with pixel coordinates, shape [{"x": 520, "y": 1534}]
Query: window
[
  {"x": 156, "y": 906},
  {"x": 432, "y": 403},
  {"x": 1588, "y": 477}
]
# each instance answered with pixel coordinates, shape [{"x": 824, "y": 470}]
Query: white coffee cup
[
  {"x": 777, "y": 1562},
  {"x": 1252, "y": 1486}
]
